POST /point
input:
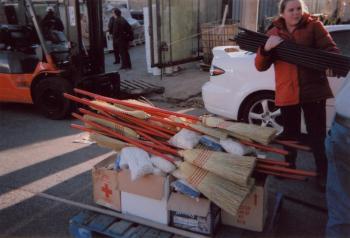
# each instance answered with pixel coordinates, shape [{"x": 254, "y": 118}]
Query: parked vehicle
[{"x": 236, "y": 90}]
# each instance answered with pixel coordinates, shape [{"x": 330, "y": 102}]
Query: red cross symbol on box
[{"x": 106, "y": 190}]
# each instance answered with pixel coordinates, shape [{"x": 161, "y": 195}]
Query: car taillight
[{"x": 215, "y": 71}]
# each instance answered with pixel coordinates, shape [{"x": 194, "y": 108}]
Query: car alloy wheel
[{"x": 264, "y": 113}]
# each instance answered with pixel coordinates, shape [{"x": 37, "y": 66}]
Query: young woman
[{"x": 299, "y": 88}]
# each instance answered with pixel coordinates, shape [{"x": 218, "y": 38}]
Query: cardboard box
[
  {"x": 151, "y": 186},
  {"x": 105, "y": 184},
  {"x": 253, "y": 211},
  {"x": 189, "y": 214},
  {"x": 146, "y": 197}
]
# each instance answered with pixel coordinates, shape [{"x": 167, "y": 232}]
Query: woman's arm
[{"x": 263, "y": 59}]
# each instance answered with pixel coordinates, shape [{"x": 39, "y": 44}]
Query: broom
[
  {"x": 135, "y": 113},
  {"x": 224, "y": 193},
  {"x": 209, "y": 131},
  {"x": 263, "y": 135},
  {"x": 237, "y": 169},
  {"x": 114, "y": 126},
  {"x": 147, "y": 108}
]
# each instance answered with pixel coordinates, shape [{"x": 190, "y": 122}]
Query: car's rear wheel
[
  {"x": 48, "y": 97},
  {"x": 260, "y": 109}
]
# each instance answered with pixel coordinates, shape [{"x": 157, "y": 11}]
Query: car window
[{"x": 342, "y": 38}]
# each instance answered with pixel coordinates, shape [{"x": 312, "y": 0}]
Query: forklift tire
[{"x": 48, "y": 97}]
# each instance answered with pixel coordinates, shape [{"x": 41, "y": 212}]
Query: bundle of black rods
[{"x": 293, "y": 53}]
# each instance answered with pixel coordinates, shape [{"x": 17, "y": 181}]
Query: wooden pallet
[
  {"x": 87, "y": 223},
  {"x": 138, "y": 87}
]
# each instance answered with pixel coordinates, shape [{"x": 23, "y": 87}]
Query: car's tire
[
  {"x": 48, "y": 97},
  {"x": 260, "y": 109}
]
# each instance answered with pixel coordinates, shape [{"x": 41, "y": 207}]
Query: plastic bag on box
[
  {"x": 185, "y": 139},
  {"x": 138, "y": 161},
  {"x": 234, "y": 147},
  {"x": 162, "y": 164}
]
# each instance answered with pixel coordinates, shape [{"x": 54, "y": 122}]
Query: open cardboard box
[{"x": 200, "y": 216}]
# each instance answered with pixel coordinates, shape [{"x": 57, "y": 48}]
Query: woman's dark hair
[
  {"x": 283, "y": 4},
  {"x": 117, "y": 12}
]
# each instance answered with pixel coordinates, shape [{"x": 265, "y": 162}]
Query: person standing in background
[
  {"x": 115, "y": 45},
  {"x": 51, "y": 22},
  {"x": 122, "y": 34},
  {"x": 338, "y": 154}
]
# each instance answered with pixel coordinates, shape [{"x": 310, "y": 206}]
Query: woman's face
[{"x": 292, "y": 13}]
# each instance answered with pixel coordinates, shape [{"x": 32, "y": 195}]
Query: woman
[{"x": 299, "y": 88}]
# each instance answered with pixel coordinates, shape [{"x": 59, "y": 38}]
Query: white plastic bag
[
  {"x": 234, "y": 147},
  {"x": 123, "y": 162},
  {"x": 185, "y": 139},
  {"x": 162, "y": 164},
  {"x": 138, "y": 161}
]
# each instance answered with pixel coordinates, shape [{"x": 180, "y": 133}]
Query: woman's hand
[{"x": 272, "y": 42}]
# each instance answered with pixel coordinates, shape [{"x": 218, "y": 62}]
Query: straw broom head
[
  {"x": 260, "y": 134},
  {"x": 135, "y": 113},
  {"x": 108, "y": 142},
  {"x": 115, "y": 126},
  {"x": 232, "y": 167},
  {"x": 224, "y": 193},
  {"x": 210, "y": 131}
]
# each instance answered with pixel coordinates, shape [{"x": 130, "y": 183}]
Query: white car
[{"x": 236, "y": 90}]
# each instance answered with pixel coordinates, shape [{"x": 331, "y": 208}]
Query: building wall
[{"x": 137, "y": 4}]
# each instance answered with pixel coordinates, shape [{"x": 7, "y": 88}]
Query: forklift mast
[
  {"x": 94, "y": 60},
  {"x": 32, "y": 15}
]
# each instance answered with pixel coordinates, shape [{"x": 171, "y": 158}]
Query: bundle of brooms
[
  {"x": 224, "y": 178},
  {"x": 288, "y": 51}
]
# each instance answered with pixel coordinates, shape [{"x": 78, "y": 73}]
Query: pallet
[
  {"x": 87, "y": 223},
  {"x": 139, "y": 87}
]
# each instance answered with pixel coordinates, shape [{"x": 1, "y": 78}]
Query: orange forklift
[{"x": 37, "y": 69}]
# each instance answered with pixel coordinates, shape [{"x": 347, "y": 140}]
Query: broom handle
[
  {"x": 83, "y": 128},
  {"x": 122, "y": 115},
  {"x": 272, "y": 162},
  {"x": 124, "y": 138},
  {"x": 133, "y": 105},
  {"x": 293, "y": 144},
  {"x": 289, "y": 176},
  {"x": 264, "y": 147},
  {"x": 172, "y": 123},
  {"x": 113, "y": 120},
  {"x": 285, "y": 170}
]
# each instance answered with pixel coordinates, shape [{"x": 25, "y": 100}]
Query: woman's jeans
[{"x": 338, "y": 181}]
